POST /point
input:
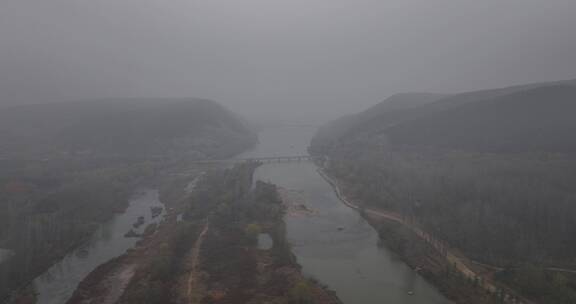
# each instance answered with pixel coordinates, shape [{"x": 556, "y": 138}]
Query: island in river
[{"x": 213, "y": 254}]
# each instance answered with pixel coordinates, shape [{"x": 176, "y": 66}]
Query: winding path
[{"x": 195, "y": 259}]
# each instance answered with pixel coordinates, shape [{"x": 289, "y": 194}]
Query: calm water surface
[
  {"x": 349, "y": 261},
  {"x": 57, "y": 284},
  {"x": 5, "y": 255}
]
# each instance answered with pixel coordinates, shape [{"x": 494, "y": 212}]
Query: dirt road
[{"x": 195, "y": 260}]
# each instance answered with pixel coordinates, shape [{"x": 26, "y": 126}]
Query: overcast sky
[{"x": 279, "y": 57}]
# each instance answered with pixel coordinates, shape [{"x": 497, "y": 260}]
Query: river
[
  {"x": 5, "y": 255},
  {"x": 57, "y": 284},
  {"x": 335, "y": 244}
]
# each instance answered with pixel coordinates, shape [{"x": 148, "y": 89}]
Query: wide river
[{"x": 336, "y": 245}]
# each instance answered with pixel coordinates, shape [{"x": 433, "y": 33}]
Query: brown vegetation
[{"x": 211, "y": 256}]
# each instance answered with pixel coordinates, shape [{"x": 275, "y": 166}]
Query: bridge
[{"x": 269, "y": 159}]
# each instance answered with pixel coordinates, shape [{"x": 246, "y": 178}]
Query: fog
[
  {"x": 298, "y": 58},
  {"x": 229, "y": 151}
]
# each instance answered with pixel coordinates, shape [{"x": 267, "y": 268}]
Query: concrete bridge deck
[{"x": 270, "y": 159}]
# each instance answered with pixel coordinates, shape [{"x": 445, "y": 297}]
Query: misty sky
[{"x": 279, "y": 57}]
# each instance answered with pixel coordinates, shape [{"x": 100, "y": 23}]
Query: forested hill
[
  {"x": 533, "y": 116},
  {"x": 388, "y": 112},
  {"x": 133, "y": 127},
  {"x": 536, "y": 120}
]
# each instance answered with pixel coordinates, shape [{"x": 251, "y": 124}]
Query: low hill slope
[
  {"x": 445, "y": 120},
  {"x": 388, "y": 112},
  {"x": 130, "y": 127},
  {"x": 540, "y": 119}
]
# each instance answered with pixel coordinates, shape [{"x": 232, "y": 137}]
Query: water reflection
[
  {"x": 5, "y": 254},
  {"x": 265, "y": 242},
  {"x": 57, "y": 284}
]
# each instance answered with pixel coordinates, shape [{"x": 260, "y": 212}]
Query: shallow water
[
  {"x": 334, "y": 243},
  {"x": 265, "y": 241},
  {"x": 5, "y": 254},
  {"x": 57, "y": 284}
]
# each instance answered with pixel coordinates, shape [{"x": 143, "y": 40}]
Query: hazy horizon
[
  {"x": 278, "y": 58},
  {"x": 289, "y": 152}
]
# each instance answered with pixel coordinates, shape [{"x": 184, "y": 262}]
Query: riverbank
[
  {"x": 52, "y": 209},
  {"x": 108, "y": 283},
  {"x": 432, "y": 258},
  {"x": 228, "y": 265},
  {"x": 82, "y": 234},
  {"x": 210, "y": 255}
]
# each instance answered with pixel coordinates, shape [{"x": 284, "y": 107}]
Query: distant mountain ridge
[
  {"x": 480, "y": 120},
  {"x": 540, "y": 120},
  {"x": 123, "y": 127}
]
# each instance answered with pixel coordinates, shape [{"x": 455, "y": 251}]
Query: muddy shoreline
[
  {"x": 108, "y": 281},
  {"x": 26, "y": 294}
]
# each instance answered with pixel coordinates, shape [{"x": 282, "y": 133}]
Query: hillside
[
  {"x": 540, "y": 119},
  {"x": 130, "y": 127},
  {"x": 385, "y": 113},
  {"x": 410, "y": 124}
]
